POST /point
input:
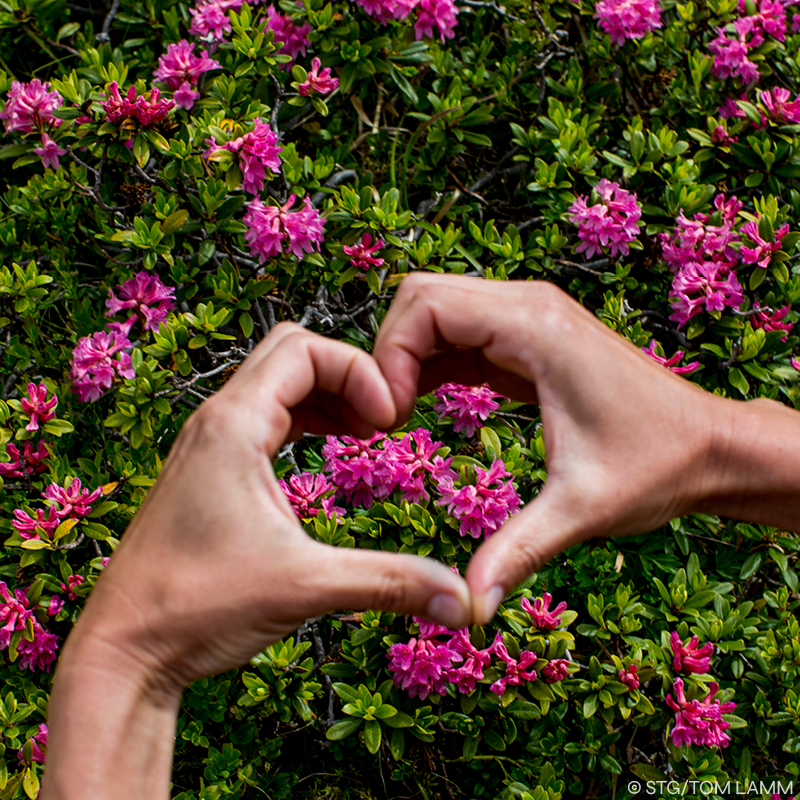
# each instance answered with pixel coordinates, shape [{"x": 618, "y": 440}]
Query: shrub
[{"x": 180, "y": 179}]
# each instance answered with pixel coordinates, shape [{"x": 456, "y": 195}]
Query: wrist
[
  {"x": 111, "y": 725},
  {"x": 754, "y": 462}
]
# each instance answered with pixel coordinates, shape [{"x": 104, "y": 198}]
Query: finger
[
  {"x": 521, "y": 547},
  {"x": 365, "y": 579},
  {"x": 264, "y": 348},
  {"x": 302, "y": 369},
  {"x": 433, "y": 312}
]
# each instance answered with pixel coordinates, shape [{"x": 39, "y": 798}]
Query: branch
[{"x": 103, "y": 36}]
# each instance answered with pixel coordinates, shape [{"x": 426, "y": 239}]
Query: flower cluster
[
  {"x": 96, "y": 361},
  {"x": 147, "y": 297},
  {"x": 430, "y": 14},
  {"x": 29, "y": 462},
  {"x": 555, "y": 671},
  {"x": 542, "y": 618},
  {"x": 38, "y": 745},
  {"x": 258, "y": 151},
  {"x": 318, "y": 81},
  {"x": 294, "y": 37},
  {"x": 483, "y": 506},
  {"x": 670, "y": 363},
  {"x": 771, "y": 320},
  {"x": 37, "y": 407},
  {"x": 469, "y": 406},
  {"x": 71, "y": 501},
  {"x": 690, "y": 658},
  {"x": 271, "y": 230},
  {"x": 30, "y": 107},
  {"x": 181, "y": 70},
  {"x": 36, "y": 651},
  {"x": 776, "y": 106},
  {"x": 364, "y": 470},
  {"x": 630, "y": 677},
  {"x": 761, "y": 253},
  {"x": 309, "y": 493},
  {"x": 628, "y": 19},
  {"x": 362, "y": 255},
  {"x": 731, "y": 55},
  {"x": 702, "y": 258},
  {"x": 210, "y": 20},
  {"x": 699, "y": 721},
  {"x": 135, "y": 110},
  {"x": 429, "y": 664},
  {"x": 611, "y": 223}
]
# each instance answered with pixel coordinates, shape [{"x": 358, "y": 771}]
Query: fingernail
[
  {"x": 447, "y": 610},
  {"x": 491, "y": 600}
]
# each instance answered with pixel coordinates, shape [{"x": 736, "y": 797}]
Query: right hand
[{"x": 629, "y": 445}]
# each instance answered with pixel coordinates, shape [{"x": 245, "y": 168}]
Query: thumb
[
  {"x": 539, "y": 532},
  {"x": 399, "y": 582}
]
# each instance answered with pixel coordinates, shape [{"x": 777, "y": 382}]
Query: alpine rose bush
[{"x": 179, "y": 179}]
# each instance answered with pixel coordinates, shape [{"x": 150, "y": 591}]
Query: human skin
[
  {"x": 215, "y": 567},
  {"x": 629, "y": 444}
]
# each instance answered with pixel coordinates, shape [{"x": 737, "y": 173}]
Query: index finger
[{"x": 434, "y": 312}]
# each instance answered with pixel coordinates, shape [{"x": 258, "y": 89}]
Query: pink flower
[
  {"x": 629, "y": 677},
  {"x": 386, "y": 10},
  {"x": 441, "y": 14},
  {"x": 795, "y": 363},
  {"x": 484, "y": 506},
  {"x": 516, "y": 670},
  {"x": 270, "y": 228},
  {"x": 39, "y": 746},
  {"x": 469, "y": 406},
  {"x": 690, "y": 658},
  {"x": 669, "y": 363},
  {"x": 730, "y": 58},
  {"x": 731, "y": 109},
  {"x": 611, "y": 223},
  {"x": 36, "y": 407},
  {"x": 353, "y": 466},
  {"x": 94, "y": 367},
  {"x": 16, "y": 615},
  {"x": 308, "y": 493},
  {"x": 181, "y": 70},
  {"x": 294, "y": 37},
  {"x": 258, "y": 152},
  {"x": 56, "y": 604},
  {"x": 540, "y": 614},
  {"x": 143, "y": 112},
  {"x": 772, "y": 320},
  {"x": 699, "y": 722},
  {"x": 75, "y": 502},
  {"x": 26, "y": 526},
  {"x": 795, "y": 23},
  {"x": 720, "y": 136},
  {"x": 713, "y": 284},
  {"x": 556, "y": 670},
  {"x": 210, "y": 20},
  {"x": 406, "y": 461},
  {"x": 30, "y": 106},
  {"x": 49, "y": 151},
  {"x": 362, "y": 254},
  {"x": 628, "y": 19},
  {"x": 422, "y": 666},
  {"x": 762, "y": 252},
  {"x": 778, "y": 107},
  {"x": 39, "y": 653},
  {"x": 145, "y": 295},
  {"x": 69, "y": 587},
  {"x": 769, "y": 19},
  {"x": 316, "y": 81},
  {"x": 33, "y": 460}
]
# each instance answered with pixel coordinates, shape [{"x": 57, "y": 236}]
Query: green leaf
[
  {"x": 175, "y": 221},
  {"x": 738, "y": 381},
  {"x": 757, "y": 278},
  {"x": 343, "y": 728},
  {"x": 372, "y": 736},
  {"x": 494, "y": 740},
  {"x": 246, "y": 324},
  {"x": 491, "y": 441},
  {"x": 374, "y": 281}
]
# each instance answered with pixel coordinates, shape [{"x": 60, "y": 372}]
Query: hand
[
  {"x": 215, "y": 567},
  {"x": 629, "y": 445}
]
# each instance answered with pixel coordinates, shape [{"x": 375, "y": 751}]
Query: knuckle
[{"x": 391, "y": 593}]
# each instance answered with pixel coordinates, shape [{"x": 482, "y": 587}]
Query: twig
[{"x": 103, "y": 36}]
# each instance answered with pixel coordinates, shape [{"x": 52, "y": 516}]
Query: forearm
[
  {"x": 756, "y": 460},
  {"x": 111, "y": 734}
]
